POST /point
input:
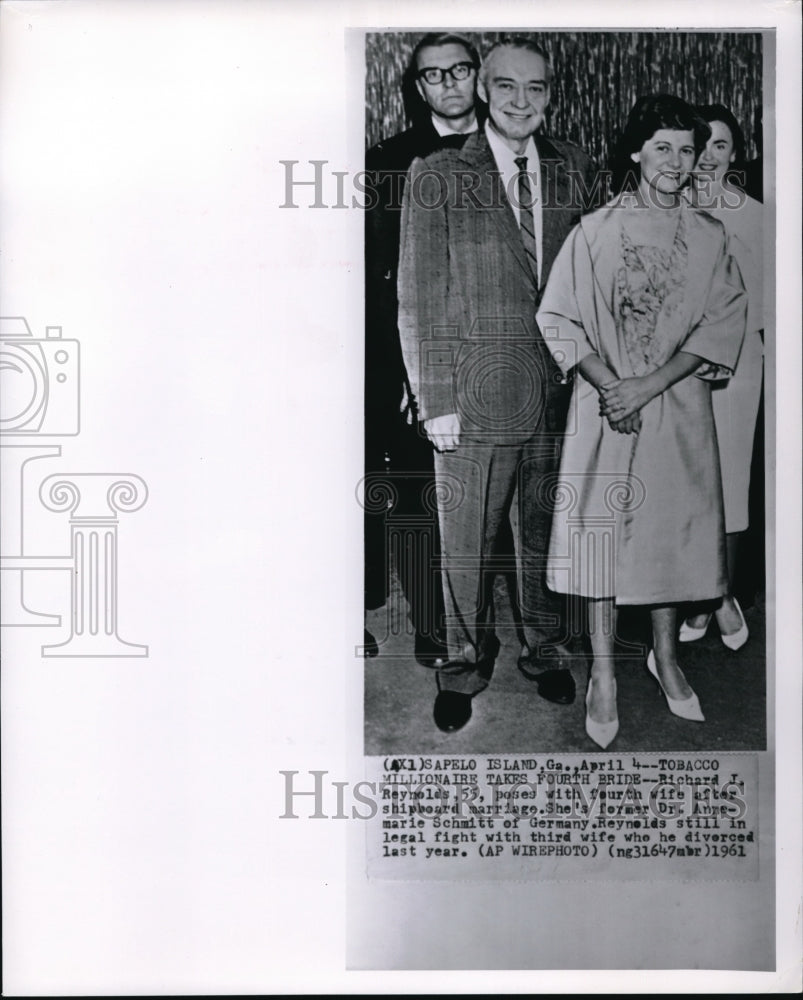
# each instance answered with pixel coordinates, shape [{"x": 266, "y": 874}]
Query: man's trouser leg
[
  {"x": 416, "y": 515},
  {"x": 475, "y": 486},
  {"x": 542, "y": 611},
  {"x": 374, "y": 527}
]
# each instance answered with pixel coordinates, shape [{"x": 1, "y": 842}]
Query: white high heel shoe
[
  {"x": 688, "y": 633},
  {"x": 602, "y": 733},
  {"x": 684, "y": 708},
  {"x": 736, "y": 639}
]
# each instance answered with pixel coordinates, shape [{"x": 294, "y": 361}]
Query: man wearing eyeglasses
[
  {"x": 481, "y": 227},
  {"x": 439, "y": 90}
]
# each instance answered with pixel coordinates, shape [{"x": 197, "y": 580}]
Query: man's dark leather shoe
[
  {"x": 452, "y": 710},
  {"x": 555, "y": 683},
  {"x": 556, "y": 686},
  {"x": 430, "y": 652}
]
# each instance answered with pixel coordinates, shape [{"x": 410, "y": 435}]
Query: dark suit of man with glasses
[{"x": 439, "y": 90}]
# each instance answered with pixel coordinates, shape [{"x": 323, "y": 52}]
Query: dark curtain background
[{"x": 597, "y": 78}]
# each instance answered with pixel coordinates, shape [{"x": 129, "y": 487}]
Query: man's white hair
[{"x": 514, "y": 43}]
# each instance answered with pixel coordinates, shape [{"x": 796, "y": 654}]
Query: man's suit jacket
[
  {"x": 467, "y": 295},
  {"x": 386, "y": 165}
]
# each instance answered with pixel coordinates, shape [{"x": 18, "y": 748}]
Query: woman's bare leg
[
  {"x": 664, "y": 631},
  {"x": 727, "y": 615},
  {"x": 601, "y": 621},
  {"x": 728, "y": 618}
]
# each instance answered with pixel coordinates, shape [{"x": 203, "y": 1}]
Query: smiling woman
[
  {"x": 665, "y": 160},
  {"x": 647, "y": 295},
  {"x": 736, "y": 403},
  {"x": 658, "y": 149}
]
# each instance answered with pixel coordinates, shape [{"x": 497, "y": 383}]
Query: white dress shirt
[
  {"x": 506, "y": 162},
  {"x": 444, "y": 130}
]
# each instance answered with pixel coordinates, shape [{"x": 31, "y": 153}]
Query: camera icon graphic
[
  {"x": 39, "y": 381},
  {"x": 40, "y": 392},
  {"x": 503, "y": 381}
]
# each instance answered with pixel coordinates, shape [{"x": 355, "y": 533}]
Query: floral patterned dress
[{"x": 639, "y": 516}]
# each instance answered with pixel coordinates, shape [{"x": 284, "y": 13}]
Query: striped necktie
[{"x": 527, "y": 224}]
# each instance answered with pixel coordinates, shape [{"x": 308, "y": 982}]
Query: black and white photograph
[
  {"x": 570, "y": 624},
  {"x": 565, "y": 448}
]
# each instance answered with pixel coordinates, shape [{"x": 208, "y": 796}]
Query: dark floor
[{"x": 510, "y": 716}]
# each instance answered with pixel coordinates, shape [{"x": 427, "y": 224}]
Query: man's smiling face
[{"x": 515, "y": 86}]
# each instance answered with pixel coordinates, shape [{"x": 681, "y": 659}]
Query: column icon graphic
[{"x": 40, "y": 402}]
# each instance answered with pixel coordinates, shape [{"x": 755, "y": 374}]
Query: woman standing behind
[
  {"x": 735, "y": 401},
  {"x": 644, "y": 303}
]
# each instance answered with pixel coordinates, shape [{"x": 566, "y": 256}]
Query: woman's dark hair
[
  {"x": 649, "y": 115},
  {"x": 414, "y": 105},
  {"x": 719, "y": 113}
]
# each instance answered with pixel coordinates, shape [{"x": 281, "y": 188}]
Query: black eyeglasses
[{"x": 435, "y": 75}]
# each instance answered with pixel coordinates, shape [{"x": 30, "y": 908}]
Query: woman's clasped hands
[{"x": 620, "y": 402}]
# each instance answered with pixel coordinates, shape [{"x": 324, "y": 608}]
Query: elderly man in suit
[
  {"x": 440, "y": 92},
  {"x": 481, "y": 227}
]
